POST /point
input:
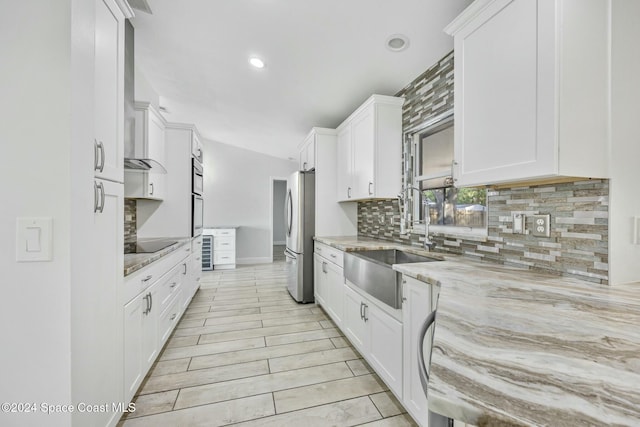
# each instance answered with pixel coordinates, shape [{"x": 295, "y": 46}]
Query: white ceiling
[{"x": 323, "y": 59}]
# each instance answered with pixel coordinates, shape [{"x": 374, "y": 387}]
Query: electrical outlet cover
[{"x": 541, "y": 226}]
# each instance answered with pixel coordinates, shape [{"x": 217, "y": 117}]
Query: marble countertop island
[{"x": 530, "y": 348}]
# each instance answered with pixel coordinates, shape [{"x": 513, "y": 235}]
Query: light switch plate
[
  {"x": 518, "y": 223},
  {"x": 34, "y": 239},
  {"x": 541, "y": 225}
]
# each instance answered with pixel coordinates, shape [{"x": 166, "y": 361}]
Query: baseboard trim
[{"x": 253, "y": 260}]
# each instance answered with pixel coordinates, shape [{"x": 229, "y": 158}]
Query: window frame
[{"x": 413, "y": 138}]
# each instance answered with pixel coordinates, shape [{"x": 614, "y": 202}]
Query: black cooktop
[{"x": 148, "y": 247}]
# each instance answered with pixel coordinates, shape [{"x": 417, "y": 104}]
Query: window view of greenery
[{"x": 462, "y": 207}]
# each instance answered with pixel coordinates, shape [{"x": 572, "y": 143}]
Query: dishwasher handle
[{"x": 422, "y": 368}]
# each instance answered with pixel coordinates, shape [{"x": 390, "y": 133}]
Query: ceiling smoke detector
[{"x": 397, "y": 42}]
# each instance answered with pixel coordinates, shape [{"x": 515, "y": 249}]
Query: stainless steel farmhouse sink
[{"x": 371, "y": 271}]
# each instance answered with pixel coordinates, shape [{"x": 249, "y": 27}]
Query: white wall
[
  {"x": 625, "y": 148},
  {"x": 279, "y": 196},
  {"x": 237, "y": 191},
  {"x": 35, "y": 165}
]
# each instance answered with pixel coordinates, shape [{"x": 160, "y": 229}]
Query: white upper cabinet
[
  {"x": 531, "y": 90},
  {"x": 109, "y": 91},
  {"x": 370, "y": 150},
  {"x": 308, "y": 153},
  {"x": 149, "y": 144}
]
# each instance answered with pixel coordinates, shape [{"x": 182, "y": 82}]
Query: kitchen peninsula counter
[{"x": 531, "y": 348}]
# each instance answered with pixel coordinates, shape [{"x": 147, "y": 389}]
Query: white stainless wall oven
[
  {"x": 197, "y": 181},
  {"x": 197, "y": 204}
]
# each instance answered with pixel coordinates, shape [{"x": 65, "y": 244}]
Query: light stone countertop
[
  {"x": 134, "y": 262},
  {"x": 527, "y": 347}
]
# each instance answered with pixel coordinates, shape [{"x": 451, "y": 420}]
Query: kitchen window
[{"x": 430, "y": 149}]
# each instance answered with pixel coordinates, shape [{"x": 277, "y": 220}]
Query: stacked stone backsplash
[
  {"x": 130, "y": 230},
  {"x": 578, "y": 245}
]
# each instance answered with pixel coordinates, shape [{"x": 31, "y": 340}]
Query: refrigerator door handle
[
  {"x": 288, "y": 254},
  {"x": 289, "y": 212}
]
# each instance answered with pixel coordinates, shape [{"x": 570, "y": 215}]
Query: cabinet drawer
[
  {"x": 224, "y": 257},
  {"x": 169, "y": 318},
  {"x": 332, "y": 254},
  {"x": 140, "y": 280},
  {"x": 224, "y": 243},
  {"x": 223, "y": 232},
  {"x": 170, "y": 286}
]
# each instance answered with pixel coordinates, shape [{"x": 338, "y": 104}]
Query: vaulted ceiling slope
[{"x": 323, "y": 59}]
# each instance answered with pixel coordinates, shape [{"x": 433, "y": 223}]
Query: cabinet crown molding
[
  {"x": 125, "y": 8},
  {"x": 145, "y": 105},
  {"x": 184, "y": 126},
  {"x": 377, "y": 99},
  {"x": 467, "y": 15}
]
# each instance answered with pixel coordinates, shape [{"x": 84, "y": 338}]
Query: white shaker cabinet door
[
  {"x": 109, "y": 91},
  {"x": 354, "y": 325},
  {"x": 385, "y": 347},
  {"x": 416, "y": 307}
]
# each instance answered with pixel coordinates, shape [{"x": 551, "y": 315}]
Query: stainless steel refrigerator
[{"x": 300, "y": 227}]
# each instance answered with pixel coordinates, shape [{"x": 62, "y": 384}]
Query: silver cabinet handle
[
  {"x": 349, "y": 192},
  {"x": 332, "y": 255},
  {"x": 324, "y": 267},
  {"x": 370, "y": 191},
  {"x": 366, "y": 310},
  {"x": 146, "y": 279},
  {"x": 361, "y": 310},
  {"x": 422, "y": 367},
  {"x": 184, "y": 264},
  {"x": 95, "y": 196},
  {"x": 150, "y": 302},
  {"x": 173, "y": 285},
  {"x": 304, "y": 166},
  {"x": 151, "y": 185},
  {"x": 147, "y": 308},
  {"x": 96, "y": 155},
  {"x": 174, "y": 316},
  {"x": 101, "y": 146},
  {"x": 98, "y": 193}
]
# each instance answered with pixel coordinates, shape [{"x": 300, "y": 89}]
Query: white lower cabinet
[
  {"x": 224, "y": 248},
  {"x": 354, "y": 325},
  {"x": 319, "y": 281},
  {"x": 140, "y": 339},
  {"x": 377, "y": 335},
  {"x": 328, "y": 283},
  {"x": 162, "y": 291},
  {"x": 416, "y": 306}
]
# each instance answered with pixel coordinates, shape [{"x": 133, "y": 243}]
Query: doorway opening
[{"x": 278, "y": 221}]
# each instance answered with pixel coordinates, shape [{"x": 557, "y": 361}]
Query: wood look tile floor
[{"x": 246, "y": 354}]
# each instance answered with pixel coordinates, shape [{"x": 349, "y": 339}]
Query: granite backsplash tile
[{"x": 577, "y": 246}]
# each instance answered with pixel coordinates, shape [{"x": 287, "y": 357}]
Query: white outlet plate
[{"x": 541, "y": 226}]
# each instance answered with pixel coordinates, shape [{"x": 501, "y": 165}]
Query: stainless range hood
[
  {"x": 143, "y": 165},
  {"x": 131, "y": 162}
]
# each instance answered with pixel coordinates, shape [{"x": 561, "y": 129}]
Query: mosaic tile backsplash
[
  {"x": 577, "y": 247},
  {"x": 130, "y": 230}
]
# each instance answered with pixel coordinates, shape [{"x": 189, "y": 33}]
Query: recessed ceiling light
[
  {"x": 397, "y": 42},
  {"x": 256, "y": 62}
]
